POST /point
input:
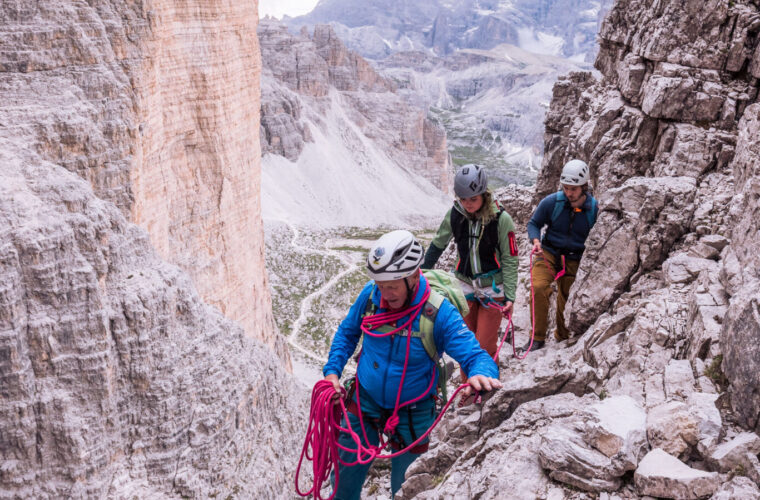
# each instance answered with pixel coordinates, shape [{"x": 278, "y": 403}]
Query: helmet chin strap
[
  {"x": 409, "y": 291},
  {"x": 408, "y": 300}
]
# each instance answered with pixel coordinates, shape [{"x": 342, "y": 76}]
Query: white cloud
[{"x": 292, "y": 8}]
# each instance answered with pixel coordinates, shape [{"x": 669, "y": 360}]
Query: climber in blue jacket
[{"x": 398, "y": 285}]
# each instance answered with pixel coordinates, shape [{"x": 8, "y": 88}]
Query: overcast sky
[{"x": 278, "y": 8}]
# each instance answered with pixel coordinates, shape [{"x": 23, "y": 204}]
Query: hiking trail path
[{"x": 307, "y": 302}]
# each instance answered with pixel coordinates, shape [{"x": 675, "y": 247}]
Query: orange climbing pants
[
  {"x": 484, "y": 322},
  {"x": 543, "y": 276}
]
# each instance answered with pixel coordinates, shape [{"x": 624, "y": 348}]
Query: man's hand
[
  {"x": 481, "y": 383},
  {"x": 536, "y": 246},
  {"x": 332, "y": 378},
  {"x": 507, "y": 309}
]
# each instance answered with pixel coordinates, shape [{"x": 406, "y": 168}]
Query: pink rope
[
  {"x": 532, "y": 314},
  {"x": 321, "y": 444}
]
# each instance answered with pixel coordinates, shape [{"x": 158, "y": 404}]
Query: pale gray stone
[
  {"x": 596, "y": 450},
  {"x": 116, "y": 368},
  {"x": 737, "y": 488},
  {"x": 682, "y": 268},
  {"x": 733, "y": 453},
  {"x": 672, "y": 428},
  {"x": 679, "y": 379},
  {"x": 716, "y": 241},
  {"x": 662, "y": 475},
  {"x": 709, "y": 421}
]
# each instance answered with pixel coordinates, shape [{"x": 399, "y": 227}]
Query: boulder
[
  {"x": 679, "y": 379},
  {"x": 593, "y": 452},
  {"x": 664, "y": 476},
  {"x": 732, "y": 454},
  {"x": 716, "y": 241},
  {"x": 683, "y": 268},
  {"x": 739, "y": 487},
  {"x": 709, "y": 422},
  {"x": 672, "y": 428}
]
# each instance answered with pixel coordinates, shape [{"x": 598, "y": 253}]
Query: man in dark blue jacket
[
  {"x": 568, "y": 215},
  {"x": 386, "y": 357}
]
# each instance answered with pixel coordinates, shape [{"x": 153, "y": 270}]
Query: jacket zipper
[{"x": 387, "y": 366}]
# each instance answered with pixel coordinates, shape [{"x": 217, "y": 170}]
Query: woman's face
[{"x": 472, "y": 204}]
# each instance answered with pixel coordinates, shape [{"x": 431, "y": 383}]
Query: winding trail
[{"x": 307, "y": 302}]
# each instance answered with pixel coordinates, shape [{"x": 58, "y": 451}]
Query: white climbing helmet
[
  {"x": 394, "y": 256},
  {"x": 574, "y": 173},
  {"x": 471, "y": 180}
]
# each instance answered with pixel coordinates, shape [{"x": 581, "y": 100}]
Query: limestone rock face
[
  {"x": 157, "y": 107},
  {"x": 669, "y": 281},
  {"x": 734, "y": 453},
  {"x": 740, "y": 336},
  {"x": 308, "y": 79},
  {"x": 671, "y": 118},
  {"x": 502, "y": 459},
  {"x": 118, "y": 381},
  {"x": 738, "y": 487},
  {"x": 672, "y": 428},
  {"x": 638, "y": 225}
]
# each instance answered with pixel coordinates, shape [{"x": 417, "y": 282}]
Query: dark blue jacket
[
  {"x": 562, "y": 238},
  {"x": 382, "y": 359}
]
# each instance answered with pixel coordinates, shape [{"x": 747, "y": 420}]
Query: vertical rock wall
[
  {"x": 117, "y": 380},
  {"x": 197, "y": 182},
  {"x": 156, "y": 105}
]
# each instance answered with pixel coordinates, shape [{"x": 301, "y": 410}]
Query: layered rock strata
[
  {"x": 118, "y": 381},
  {"x": 157, "y": 106}
]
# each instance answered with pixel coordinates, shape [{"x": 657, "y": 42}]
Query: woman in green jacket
[{"x": 485, "y": 238}]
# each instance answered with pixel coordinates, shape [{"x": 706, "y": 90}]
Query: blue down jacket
[{"x": 382, "y": 359}]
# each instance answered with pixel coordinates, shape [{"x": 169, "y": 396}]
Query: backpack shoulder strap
[
  {"x": 591, "y": 214},
  {"x": 370, "y": 307},
  {"x": 500, "y": 208},
  {"x": 427, "y": 323},
  {"x": 559, "y": 204}
]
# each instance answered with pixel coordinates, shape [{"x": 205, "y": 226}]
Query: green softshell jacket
[{"x": 508, "y": 275}]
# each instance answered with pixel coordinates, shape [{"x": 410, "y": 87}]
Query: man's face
[
  {"x": 394, "y": 291},
  {"x": 573, "y": 193}
]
